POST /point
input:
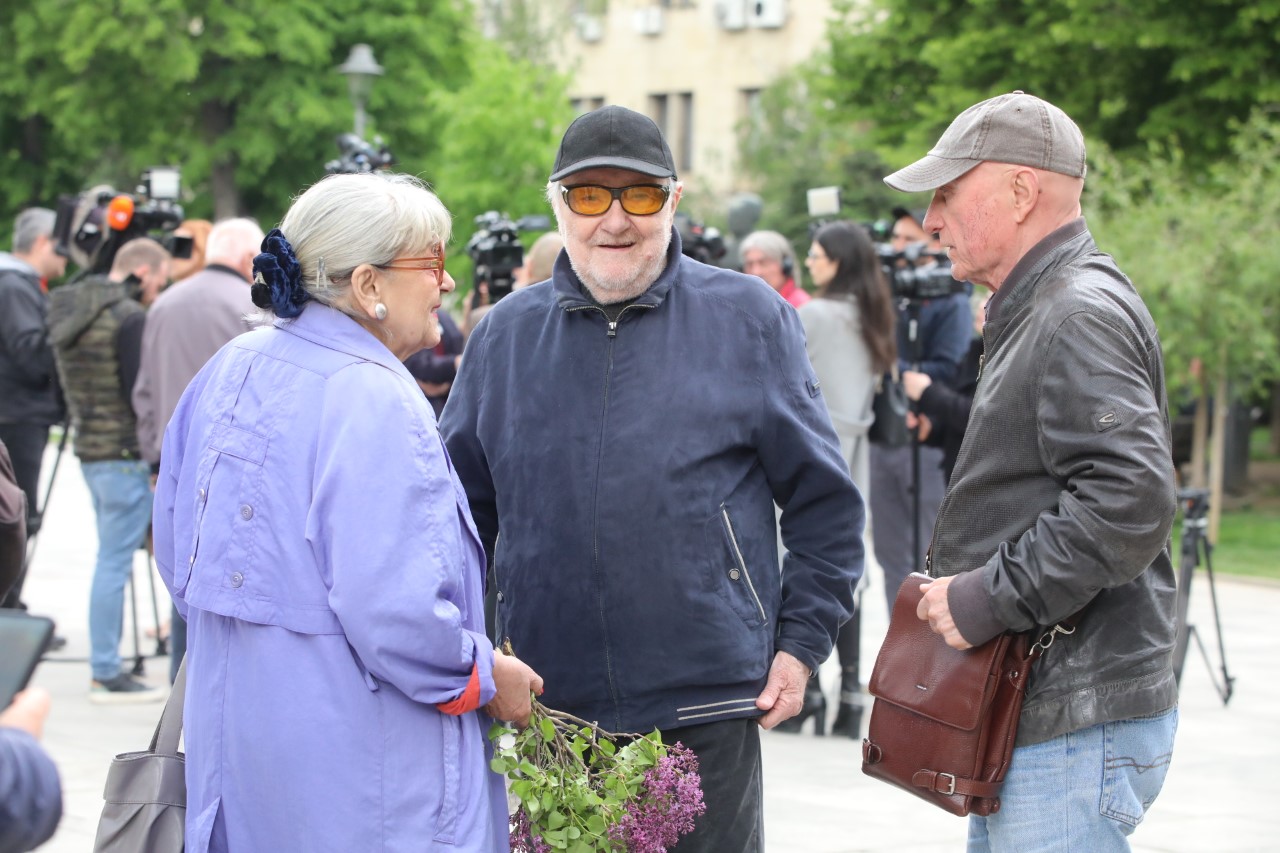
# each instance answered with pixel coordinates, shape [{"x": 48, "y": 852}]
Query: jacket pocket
[
  {"x": 733, "y": 578},
  {"x": 450, "y": 748}
]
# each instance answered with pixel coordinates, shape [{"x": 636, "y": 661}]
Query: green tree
[
  {"x": 797, "y": 141},
  {"x": 1129, "y": 73}
]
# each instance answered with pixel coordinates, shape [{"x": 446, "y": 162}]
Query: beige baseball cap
[{"x": 1014, "y": 128}]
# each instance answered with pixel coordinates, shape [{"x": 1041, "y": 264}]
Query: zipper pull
[{"x": 613, "y": 328}]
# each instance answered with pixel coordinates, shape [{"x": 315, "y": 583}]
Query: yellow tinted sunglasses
[{"x": 594, "y": 200}]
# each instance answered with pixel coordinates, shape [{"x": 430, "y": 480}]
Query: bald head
[{"x": 234, "y": 243}]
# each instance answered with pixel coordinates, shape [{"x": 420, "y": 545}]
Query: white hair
[
  {"x": 32, "y": 224},
  {"x": 343, "y": 221}
]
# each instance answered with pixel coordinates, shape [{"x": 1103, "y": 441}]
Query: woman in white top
[{"x": 850, "y": 334}]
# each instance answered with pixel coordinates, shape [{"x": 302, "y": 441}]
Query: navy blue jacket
[{"x": 632, "y": 469}]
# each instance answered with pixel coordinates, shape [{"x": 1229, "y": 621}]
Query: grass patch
[{"x": 1248, "y": 544}]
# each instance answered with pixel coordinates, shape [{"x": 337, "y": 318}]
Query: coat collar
[
  {"x": 329, "y": 327},
  {"x": 1064, "y": 244}
]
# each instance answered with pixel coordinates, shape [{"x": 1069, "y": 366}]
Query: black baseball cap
[{"x": 614, "y": 137}]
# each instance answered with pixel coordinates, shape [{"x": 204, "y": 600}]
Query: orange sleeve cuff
[{"x": 470, "y": 698}]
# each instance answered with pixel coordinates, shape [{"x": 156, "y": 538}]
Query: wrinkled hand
[
  {"x": 933, "y": 608},
  {"x": 28, "y": 711},
  {"x": 515, "y": 680},
  {"x": 914, "y": 383},
  {"x": 783, "y": 694}
]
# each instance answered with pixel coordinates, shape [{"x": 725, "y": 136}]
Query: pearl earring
[{"x": 380, "y": 311}]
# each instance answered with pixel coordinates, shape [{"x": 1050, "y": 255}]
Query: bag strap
[{"x": 169, "y": 729}]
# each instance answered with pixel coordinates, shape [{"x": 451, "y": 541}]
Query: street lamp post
[{"x": 360, "y": 69}]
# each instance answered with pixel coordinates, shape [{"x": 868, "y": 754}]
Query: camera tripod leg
[
  {"x": 138, "y": 666},
  {"x": 1225, "y": 687}
]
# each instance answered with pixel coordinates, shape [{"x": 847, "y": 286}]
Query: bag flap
[{"x": 918, "y": 671}]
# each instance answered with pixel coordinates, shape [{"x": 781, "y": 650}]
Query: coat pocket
[
  {"x": 450, "y": 755},
  {"x": 732, "y": 575}
]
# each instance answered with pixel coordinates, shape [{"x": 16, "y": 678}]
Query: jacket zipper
[
  {"x": 611, "y": 325},
  {"x": 742, "y": 564}
]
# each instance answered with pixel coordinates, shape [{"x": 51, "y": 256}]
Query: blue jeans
[
  {"x": 1083, "y": 792},
  {"x": 121, "y": 493}
]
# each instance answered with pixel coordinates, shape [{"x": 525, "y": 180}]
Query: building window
[
  {"x": 586, "y": 105},
  {"x": 684, "y": 133},
  {"x": 658, "y": 111}
]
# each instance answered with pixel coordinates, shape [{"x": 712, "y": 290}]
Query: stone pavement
[{"x": 817, "y": 800}]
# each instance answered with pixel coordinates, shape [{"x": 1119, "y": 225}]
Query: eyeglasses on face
[
  {"x": 429, "y": 263},
  {"x": 595, "y": 200},
  {"x": 815, "y": 255}
]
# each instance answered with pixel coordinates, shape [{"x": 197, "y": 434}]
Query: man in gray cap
[
  {"x": 1063, "y": 495},
  {"x": 662, "y": 407}
]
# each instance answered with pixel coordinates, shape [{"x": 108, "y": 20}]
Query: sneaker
[{"x": 122, "y": 690}]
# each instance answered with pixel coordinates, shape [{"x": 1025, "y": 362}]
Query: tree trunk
[
  {"x": 1275, "y": 419},
  {"x": 215, "y": 120},
  {"x": 1217, "y": 454},
  {"x": 1200, "y": 438}
]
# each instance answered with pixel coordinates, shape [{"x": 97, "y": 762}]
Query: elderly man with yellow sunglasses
[{"x": 623, "y": 432}]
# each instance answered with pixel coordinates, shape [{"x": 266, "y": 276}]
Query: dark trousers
[
  {"x": 892, "y": 491},
  {"x": 729, "y": 764},
  {"x": 26, "y": 443}
]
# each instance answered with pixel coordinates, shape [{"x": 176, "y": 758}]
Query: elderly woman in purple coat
[{"x": 311, "y": 529}]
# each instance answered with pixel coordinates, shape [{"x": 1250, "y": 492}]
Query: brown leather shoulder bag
[{"x": 944, "y": 721}]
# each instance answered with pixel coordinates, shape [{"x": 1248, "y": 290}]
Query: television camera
[
  {"x": 698, "y": 241},
  {"x": 356, "y": 156},
  {"x": 912, "y": 277},
  {"x": 92, "y": 226},
  {"x": 496, "y": 251}
]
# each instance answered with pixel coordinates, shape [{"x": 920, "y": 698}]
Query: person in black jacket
[
  {"x": 30, "y": 400},
  {"x": 943, "y": 409}
]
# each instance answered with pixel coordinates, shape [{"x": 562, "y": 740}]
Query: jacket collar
[
  {"x": 330, "y": 328},
  {"x": 1066, "y": 243},
  {"x": 572, "y": 293}
]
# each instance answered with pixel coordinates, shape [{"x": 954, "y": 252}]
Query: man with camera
[
  {"x": 96, "y": 328},
  {"x": 1062, "y": 499},
  {"x": 933, "y": 337},
  {"x": 30, "y": 400},
  {"x": 662, "y": 406}
]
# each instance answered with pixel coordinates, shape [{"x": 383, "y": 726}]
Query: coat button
[
  {"x": 500, "y": 595},
  {"x": 237, "y": 580},
  {"x": 733, "y": 574},
  {"x": 246, "y": 512},
  {"x": 201, "y": 493},
  {"x": 192, "y": 561}
]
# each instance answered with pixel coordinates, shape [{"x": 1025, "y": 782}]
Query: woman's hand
[{"x": 515, "y": 680}]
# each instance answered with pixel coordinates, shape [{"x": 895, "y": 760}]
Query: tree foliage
[
  {"x": 247, "y": 99},
  {"x": 1201, "y": 250},
  {"x": 1129, "y": 73},
  {"x": 797, "y": 141}
]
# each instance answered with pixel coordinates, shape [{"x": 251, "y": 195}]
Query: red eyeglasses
[{"x": 430, "y": 263}]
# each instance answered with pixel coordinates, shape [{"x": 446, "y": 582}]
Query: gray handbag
[{"x": 146, "y": 792}]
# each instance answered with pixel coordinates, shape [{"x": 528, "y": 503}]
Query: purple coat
[{"x": 310, "y": 527}]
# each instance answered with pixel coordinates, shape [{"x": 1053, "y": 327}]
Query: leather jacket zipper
[{"x": 742, "y": 563}]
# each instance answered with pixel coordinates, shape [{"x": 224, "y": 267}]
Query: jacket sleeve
[
  {"x": 30, "y": 792},
  {"x": 144, "y": 397},
  {"x": 946, "y": 325},
  {"x": 1103, "y": 435},
  {"x": 459, "y": 425},
  {"x": 822, "y": 512},
  {"x": 946, "y": 407},
  {"x": 24, "y": 336},
  {"x": 387, "y": 522}
]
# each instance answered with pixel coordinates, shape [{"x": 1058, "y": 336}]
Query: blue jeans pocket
[{"x": 1135, "y": 763}]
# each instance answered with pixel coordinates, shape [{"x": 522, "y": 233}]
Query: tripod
[{"x": 1195, "y": 520}]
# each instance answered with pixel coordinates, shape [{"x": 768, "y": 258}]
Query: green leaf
[{"x": 548, "y": 729}]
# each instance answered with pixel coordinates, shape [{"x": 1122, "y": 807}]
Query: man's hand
[
  {"x": 783, "y": 694},
  {"x": 515, "y": 680},
  {"x": 914, "y": 383},
  {"x": 933, "y": 609},
  {"x": 28, "y": 711},
  {"x": 920, "y": 424}
]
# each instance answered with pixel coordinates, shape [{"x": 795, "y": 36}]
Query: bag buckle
[
  {"x": 951, "y": 787},
  {"x": 1046, "y": 640}
]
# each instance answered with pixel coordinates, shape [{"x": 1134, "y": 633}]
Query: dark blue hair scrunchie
[{"x": 277, "y": 277}]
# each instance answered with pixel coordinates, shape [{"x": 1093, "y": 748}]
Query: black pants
[
  {"x": 26, "y": 443},
  {"x": 729, "y": 764}
]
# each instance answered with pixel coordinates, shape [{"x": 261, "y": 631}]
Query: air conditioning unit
[
  {"x": 767, "y": 14},
  {"x": 590, "y": 28},
  {"x": 649, "y": 20},
  {"x": 731, "y": 14}
]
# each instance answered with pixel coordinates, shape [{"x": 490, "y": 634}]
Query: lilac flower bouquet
[{"x": 582, "y": 789}]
